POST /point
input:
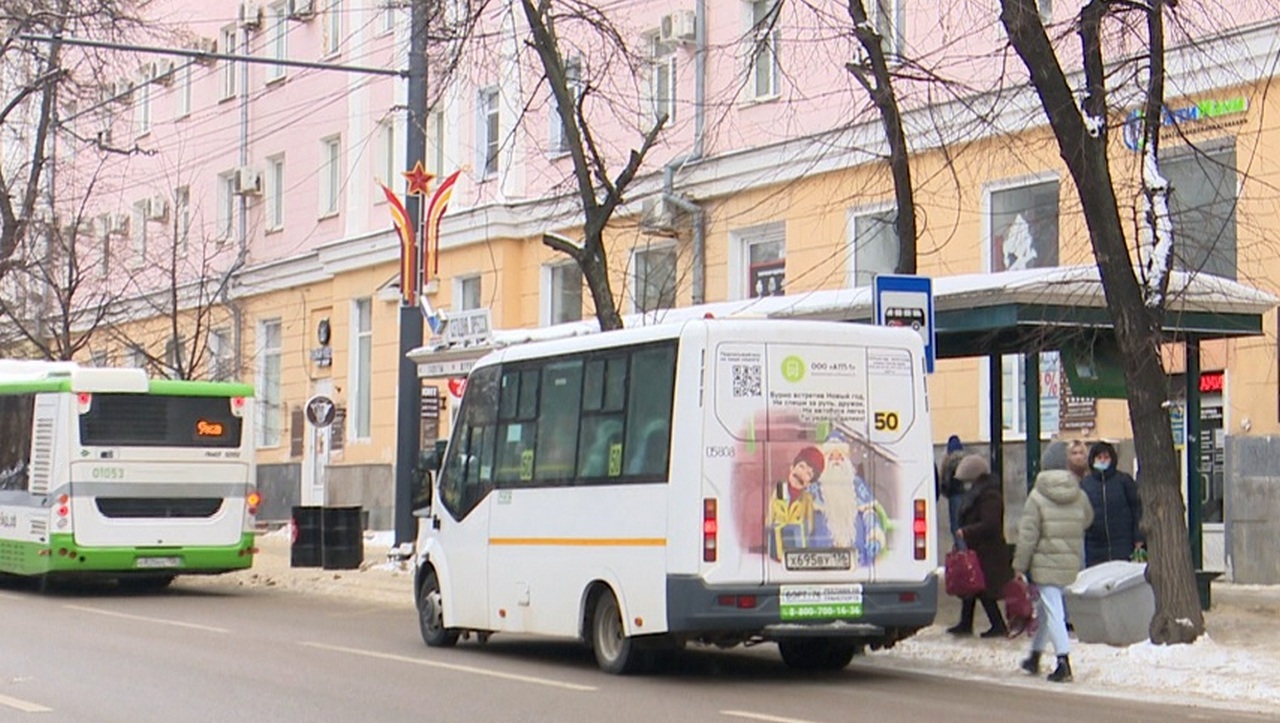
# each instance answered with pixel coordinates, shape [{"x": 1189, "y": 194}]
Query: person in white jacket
[{"x": 1050, "y": 543}]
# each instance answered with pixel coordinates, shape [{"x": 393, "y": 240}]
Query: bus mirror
[{"x": 428, "y": 461}]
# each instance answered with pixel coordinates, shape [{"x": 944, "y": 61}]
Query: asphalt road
[{"x": 199, "y": 653}]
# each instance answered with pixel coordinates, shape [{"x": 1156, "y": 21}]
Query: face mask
[{"x": 1101, "y": 466}]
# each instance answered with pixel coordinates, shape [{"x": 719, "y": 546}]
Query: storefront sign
[{"x": 1202, "y": 111}]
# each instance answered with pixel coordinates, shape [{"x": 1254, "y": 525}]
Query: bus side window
[
  {"x": 16, "y": 413},
  {"x": 652, "y": 384},
  {"x": 467, "y": 474}
]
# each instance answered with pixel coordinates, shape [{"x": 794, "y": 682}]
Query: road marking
[
  {"x": 145, "y": 619},
  {"x": 761, "y": 716},
  {"x": 23, "y": 705},
  {"x": 456, "y": 668}
]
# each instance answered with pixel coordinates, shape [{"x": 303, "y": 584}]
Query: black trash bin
[
  {"x": 307, "y": 525},
  {"x": 343, "y": 538}
]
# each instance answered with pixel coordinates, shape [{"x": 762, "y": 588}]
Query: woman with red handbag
[{"x": 982, "y": 530}]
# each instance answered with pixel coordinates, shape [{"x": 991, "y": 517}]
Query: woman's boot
[
  {"x": 1031, "y": 663},
  {"x": 1062, "y": 674}
]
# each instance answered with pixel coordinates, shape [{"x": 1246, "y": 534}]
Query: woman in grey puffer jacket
[{"x": 1050, "y": 543}]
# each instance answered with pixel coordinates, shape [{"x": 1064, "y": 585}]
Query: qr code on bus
[{"x": 746, "y": 380}]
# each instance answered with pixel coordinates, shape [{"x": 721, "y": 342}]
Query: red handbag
[
  {"x": 1019, "y": 609},
  {"x": 964, "y": 573}
]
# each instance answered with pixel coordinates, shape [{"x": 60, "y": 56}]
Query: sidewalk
[{"x": 1236, "y": 664}]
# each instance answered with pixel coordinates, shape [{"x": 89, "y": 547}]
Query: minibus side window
[{"x": 468, "y": 471}]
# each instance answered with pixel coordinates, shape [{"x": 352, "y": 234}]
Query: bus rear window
[{"x": 142, "y": 420}]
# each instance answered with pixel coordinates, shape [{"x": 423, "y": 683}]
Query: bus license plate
[
  {"x": 819, "y": 560},
  {"x": 159, "y": 562}
]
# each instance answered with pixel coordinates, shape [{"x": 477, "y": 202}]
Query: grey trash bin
[{"x": 1111, "y": 603}]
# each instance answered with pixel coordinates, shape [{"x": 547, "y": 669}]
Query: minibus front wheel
[{"x": 431, "y": 614}]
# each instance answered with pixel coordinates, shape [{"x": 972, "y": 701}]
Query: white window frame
[
  {"x": 634, "y": 273},
  {"x": 142, "y": 106},
  {"x": 274, "y": 206},
  {"x": 663, "y": 63},
  {"x": 557, "y": 141},
  {"x": 99, "y": 358},
  {"x": 1009, "y": 184},
  {"x": 138, "y": 232},
  {"x": 226, "y": 200},
  {"x": 739, "y": 265},
  {"x": 104, "y": 236},
  {"x": 1046, "y": 10},
  {"x": 330, "y": 176},
  {"x": 277, "y": 41},
  {"x": 763, "y": 43},
  {"x": 549, "y": 292},
  {"x": 360, "y": 417},
  {"x": 266, "y": 437},
  {"x": 333, "y": 27},
  {"x": 182, "y": 216},
  {"x": 488, "y": 132},
  {"x": 386, "y": 17},
  {"x": 437, "y": 140},
  {"x": 228, "y": 44},
  {"x": 135, "y": 357},
  {"x": 851, "y": 234},
  {"x": 387, "y": 154},
  {"x": 183, "y": 101},
  {"x": 459, "y": 292},
  {"x": 218, "y": 355}
]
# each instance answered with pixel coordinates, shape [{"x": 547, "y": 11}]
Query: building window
[
  {"x": 182, "y": 215},
  {"x": 1202, "y": 205},
  {"x": 104, "y": 236},
  {"x": 138, "y": 231},
  {"x": 563, "y": 293},
  {"x": 757, "y": 261},
  {"x": 764, "y": 49},
  {"x": 135, "y": 357},
  {"x": 183, "y": 101},
  {"x": 99, "y": 358},
  {"x": 219, "y": 355},
  {"x": 1024, "y": 227},
  {"x": 662, "y": 80},
  {"x": 487, "y": 132},
  {"x": 1013, "y": 404},
  {"x": 654, "y": 278},
  {"x": 275, "y": 193},
  {"x": 1046, "y": 11},
  {"x": 227, "y": 77},
  {"x": 270, "y": 409},
  {"x": 333, "y": 28},
  {"x": 888, "y": 17},
  {"x": 435, "y": 143},
  {"x": 142, "y": 105},
  {"x": 173, "y": 358},
  {"x": 278, "y": 41},
  {"x": 466, "y": 293},
  {"x": 873, "y": 245},
  {"x": 361, "y": 364},
  {"x": 573, "y": 77},
  {"x": 387, "y": 17},
  {"x": 226, "y": 203},
  {"x": 387, "y": 153},
  {"x": 330, "y": 178}
]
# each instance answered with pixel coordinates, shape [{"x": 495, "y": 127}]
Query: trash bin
[
  {"x": 1111, "y": 603},
  {"x": 305, "y": 528},
  {"x": 343, "y": 538}
]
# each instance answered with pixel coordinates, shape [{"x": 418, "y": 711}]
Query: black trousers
[{"x": 989, "y": 604}]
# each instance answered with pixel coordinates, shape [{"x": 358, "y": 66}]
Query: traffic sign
[
  {"x": 321, "y": 411},
  {"x": 907, "y": 301}
]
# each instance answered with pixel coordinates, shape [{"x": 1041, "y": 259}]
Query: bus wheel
[
  {"x": 817, "y": 654},
  {"x": 431, "y": 614},
  {"x": 615, "y": 652}
]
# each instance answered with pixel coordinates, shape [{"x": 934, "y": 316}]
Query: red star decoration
[{"x": 419, "y": 180}]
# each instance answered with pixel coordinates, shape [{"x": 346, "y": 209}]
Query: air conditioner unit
[
  {"x": 250, "y": 16},
  {"x": 157, "y": 208},
  {"x": 248, "y": 181},
  {"x": 206, "y": 46},
  {"x": 656, "y": 214},
  {"x": 302, "y": 9},
  {"x": 162, "y": 71},
  {"x": 677, "y": 27},
  {"x": 120, "y": 224}
]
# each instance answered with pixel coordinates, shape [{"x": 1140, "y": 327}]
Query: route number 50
[{"x": 886, "y": 421}]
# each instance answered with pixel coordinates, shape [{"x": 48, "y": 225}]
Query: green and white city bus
[{"x": 106, "y": 472}]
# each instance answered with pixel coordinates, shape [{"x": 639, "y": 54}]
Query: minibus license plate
[
  {"x": 159, "y": 562},
  {"x": 819, "y": 560}
]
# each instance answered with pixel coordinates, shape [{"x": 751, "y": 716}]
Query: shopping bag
[
  {"x": 964, "y": 573},
  {"x": 1019, "y": 607}
]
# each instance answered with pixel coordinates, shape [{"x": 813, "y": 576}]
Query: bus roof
[{"x": 20, "y": 376}]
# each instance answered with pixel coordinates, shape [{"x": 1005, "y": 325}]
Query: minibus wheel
[
  {"x": 615, "y": 652},
  {"x": 431, "y": 614}
]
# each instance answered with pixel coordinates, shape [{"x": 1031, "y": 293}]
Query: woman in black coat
[{"x": 982, "y": 530}]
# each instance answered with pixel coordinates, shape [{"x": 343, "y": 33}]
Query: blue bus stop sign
[{"x": 903, "y": 300}]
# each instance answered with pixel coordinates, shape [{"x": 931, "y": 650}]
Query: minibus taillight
[
  {"x": 84, "y": 400},
  {"x": 64, "y": 505},
  {"x": 253, "y": 500},
  {"x": 920, "y": 527},
  {"x": 237, "y": 406},
  {"x": 709, "y": 529}
]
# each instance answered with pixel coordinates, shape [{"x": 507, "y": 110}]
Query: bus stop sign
[{"x": 903, "y": 300}]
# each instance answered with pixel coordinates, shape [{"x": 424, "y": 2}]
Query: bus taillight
[
  {"x": 710, "y": 526},
  {"x": 253, "y": 500},
  {"x": 84, "y": 400},
  {"x": 237, "y": 406},
  {"x": 920, "y": 528}
]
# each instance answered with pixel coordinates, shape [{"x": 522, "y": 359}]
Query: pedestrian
[
  {"x": 1115, "y": 533},
  {"x": 982, "y": 530},
  {"x": 948, "y": 487},
  {"x": 1078, "y": 458},
  {"x": 1050, "y": 536}
]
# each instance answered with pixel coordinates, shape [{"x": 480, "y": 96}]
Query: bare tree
[{"x": 1135, "y": 300}]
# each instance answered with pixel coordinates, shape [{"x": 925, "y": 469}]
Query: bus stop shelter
[{"x": 975, "y": 315}]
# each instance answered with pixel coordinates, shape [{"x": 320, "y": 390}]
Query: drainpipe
[
  {"x": 699, "y": 142},
  {"x": 242, "y": 230}
]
